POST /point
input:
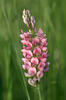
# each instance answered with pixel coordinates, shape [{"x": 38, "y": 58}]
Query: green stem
[{"x": 38, "y": 88}]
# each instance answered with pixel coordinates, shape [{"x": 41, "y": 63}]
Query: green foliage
[{"x": 50, "y": 15}]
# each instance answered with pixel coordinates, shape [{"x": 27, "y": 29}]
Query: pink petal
[
  {"x": 41, "y": 66},
  {"x": 29, "y": 54},
  {"x": 35, "y": 40},
  {"x": 32, "y": 71},
  {"x": 44, "y": 49},
  {"x": 24, "y": 60},
  {"x": 40, "y": 32},
  {"x": 39, "y": 74},
  {"x": 34, "y": 60},
  {"x": 44, "y": 59},
  {"x": 37, "y": 51},
  {"x": 44, "y": 40},
  {"x": 45, "y": 55}
]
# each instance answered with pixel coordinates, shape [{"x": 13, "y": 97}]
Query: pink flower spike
[
  {"x": 34, "y": 50},
  {"x": 34, "y": 60},
  {"x": 39, "y": 74},
  {"x": 32, "y": 71}
]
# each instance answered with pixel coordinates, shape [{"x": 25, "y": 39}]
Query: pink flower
[
  {"x": 34, "y": 60},
  {"x": 23, "y": 42},
  {"x": 44, "y": 49},
  {"x": 39, "y": 74},
  {"x": 45, "y": 44},
  {"x": 26, "y": 61},
  {"x": 24, "y": 52},
  {"x": 27, "y": 43},
  {"x": 29, "y": 54},
  {"x": 40, "y": 32},
  {"x": 44, "y": 40},
  {"x": 37, "y": 51},
  {"x": 35, "y": 41},
  {"x": 22, "y": 36},
  {"x": 44, "y": 59},
  {"x": 41, "y": 66},
  {"x": 25, "y": 67},
  {"x": 32, "y": 21},
  {"x": 45, "y": 55},
  {"x": 32, "y": 71}
]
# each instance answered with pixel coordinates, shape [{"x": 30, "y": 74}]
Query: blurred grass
[{"x": 50, "y": 15}]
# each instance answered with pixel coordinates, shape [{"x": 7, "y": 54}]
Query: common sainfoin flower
[{"x": 34, "y": 50}]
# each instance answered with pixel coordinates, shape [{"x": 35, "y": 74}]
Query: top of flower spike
[{"x": 28, "y": 19}]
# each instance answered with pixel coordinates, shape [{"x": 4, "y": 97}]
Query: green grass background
[{"x": 50, "y": 15}]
